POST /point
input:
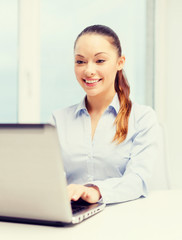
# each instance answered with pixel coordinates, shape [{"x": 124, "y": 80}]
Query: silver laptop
[{"x": 32, "y": 178}]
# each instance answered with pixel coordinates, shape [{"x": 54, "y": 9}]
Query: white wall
[{"x": 168, "y": 82}]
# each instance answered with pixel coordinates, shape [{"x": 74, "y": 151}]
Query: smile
[{"x": 90, "y": 81}]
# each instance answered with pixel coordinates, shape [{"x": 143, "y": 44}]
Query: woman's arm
[{"x": 144, "y": 154}]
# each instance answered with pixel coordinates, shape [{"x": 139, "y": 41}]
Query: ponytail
[{"x": 123, "y": 90}]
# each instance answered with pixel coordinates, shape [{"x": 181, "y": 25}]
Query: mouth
[{"x": 92, "y": 81}]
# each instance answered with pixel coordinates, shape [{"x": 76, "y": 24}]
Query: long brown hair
[{"x": 121, "y": 84}]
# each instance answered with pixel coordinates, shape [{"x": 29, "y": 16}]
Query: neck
[{"x": 98, "y": 103}]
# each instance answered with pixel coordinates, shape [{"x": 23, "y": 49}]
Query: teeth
[{"x": 91, "y": 81}]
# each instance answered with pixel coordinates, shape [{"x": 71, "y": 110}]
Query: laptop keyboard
[
  {"x": 76, "y": 209},
  {"x": 79, "y": 206}
]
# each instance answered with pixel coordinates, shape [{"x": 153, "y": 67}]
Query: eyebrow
[
  {"x": 100, "y": 53},
  {"x": 79, "y": 55}
]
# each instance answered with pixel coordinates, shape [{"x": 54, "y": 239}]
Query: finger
[
  {"x": 91, "y": 195},
  {"x": 76, "y": 195},
  {"x": 76, "y": 192},
  {"x": 85, "y": 195}
]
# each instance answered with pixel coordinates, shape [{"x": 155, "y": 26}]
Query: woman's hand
[{"x": 89, "y": 194}]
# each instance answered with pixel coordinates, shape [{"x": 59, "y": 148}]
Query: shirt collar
[
  {"x": 81, "y": 107},
  {"x": 114, "y": 106}
]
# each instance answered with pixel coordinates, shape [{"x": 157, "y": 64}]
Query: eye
[
  {"x": 100, "y": 61},
  {"x": 79, "y": 62}
]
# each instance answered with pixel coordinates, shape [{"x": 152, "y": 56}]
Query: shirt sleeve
[{"x": 144, "y": 153}]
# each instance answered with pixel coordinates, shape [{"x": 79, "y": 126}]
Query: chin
[{"x": 93, "y": 93}]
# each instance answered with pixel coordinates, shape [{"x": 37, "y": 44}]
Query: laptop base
[{"x": 34, "y": 222}]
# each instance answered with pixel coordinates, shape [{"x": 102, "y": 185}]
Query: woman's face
[{"x": 96, "y": 64}]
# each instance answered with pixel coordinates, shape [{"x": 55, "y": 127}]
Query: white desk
[{"x": 157, "y": 217}]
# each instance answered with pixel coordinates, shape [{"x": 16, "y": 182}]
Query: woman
[{"x": 108, "y": 143}]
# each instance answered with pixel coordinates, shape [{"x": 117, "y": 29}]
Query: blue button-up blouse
[{"x": 121, "y": 171}]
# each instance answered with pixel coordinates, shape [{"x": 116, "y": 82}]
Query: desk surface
[{"x": 157, "y": 217}]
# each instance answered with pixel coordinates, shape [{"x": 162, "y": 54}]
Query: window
[
  {"x": 8, "y": 61},
  {"x": 46, "y": 32},
  {"x": 60, "y": 25}
]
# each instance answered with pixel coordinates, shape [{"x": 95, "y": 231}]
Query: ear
[{"x": 121, "y": 62}]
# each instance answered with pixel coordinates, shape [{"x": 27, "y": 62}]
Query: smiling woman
[
  {"x": 109, "y": 144},
  {"x": 98, "y": 68}
]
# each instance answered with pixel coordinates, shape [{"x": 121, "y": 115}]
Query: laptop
[{"x": 33, "y": 187}]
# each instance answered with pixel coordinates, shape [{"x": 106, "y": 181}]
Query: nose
[{"x": 90, "y": 70}]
